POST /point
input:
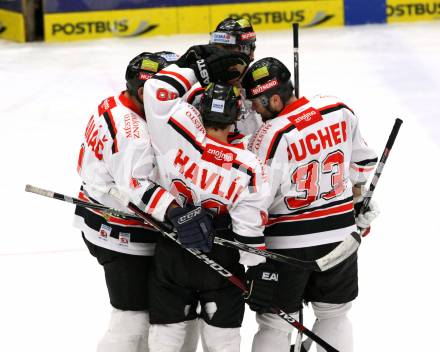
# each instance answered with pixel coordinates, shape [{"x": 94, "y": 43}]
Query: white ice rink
[{"x": 52, "y": 292}]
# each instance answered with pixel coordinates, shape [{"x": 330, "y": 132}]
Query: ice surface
[{"x": 53, "y": 295}]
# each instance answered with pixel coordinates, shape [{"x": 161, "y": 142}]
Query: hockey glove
[
  {"x": 262, "y": 281},
  {"x": 193, "y": 226},
  {"x": 213, "y": 64},
  {"x": 364, "y": 219}
]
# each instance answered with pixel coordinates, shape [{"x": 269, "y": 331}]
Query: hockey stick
[
  {"x": 339, "y": 254},
  {"x": 380, "y": 166},
  {"x": 236, "y": 281},
  {"x": 295, "y": 28},
  {"x": 64, "y": 198}
]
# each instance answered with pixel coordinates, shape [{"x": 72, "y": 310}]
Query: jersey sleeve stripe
[
  {"x": 362, "y": 169},
  {"x": 179, "y": 76},
  {"x": 276, "y": 140},
  {"x": 185, "y": 134},
  {"x": 195, "y": 93},
  {"x": 155, "y": 200},
  {"x": 366, "y": 162},
  {"x": 334, "y": 107},
  {"x": 172, "y": 82},
  {"x": 108, "y": 117},
  {"x": 257, "y": 241},
  {"x": 146, "y": 197}
]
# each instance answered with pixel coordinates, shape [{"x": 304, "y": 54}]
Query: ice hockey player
[
  {"x": 116, "y": 151},
  {"x": 316, "y": 155},
  {"x": 237, "y": 35},
  {"x": 198, "y": 166}
]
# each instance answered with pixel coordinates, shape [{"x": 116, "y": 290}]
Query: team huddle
[{"x": 214, "y": 144}]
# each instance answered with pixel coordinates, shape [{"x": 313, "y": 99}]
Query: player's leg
[
  {"x": 127, "y": 332},
  {"x": 331, "y": 293},
  {"x": 333, "y": 325},
  {"x": 274, "y": 334},
  {"x": 192, "y": 335},
  {"x": 172, "y": 302},
  {"x": 222, "y": 303},
  {"x": 127, "y": 284}
]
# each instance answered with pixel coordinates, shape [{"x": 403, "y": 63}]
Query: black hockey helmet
[
  {"x": 235, "y": 32},
  {"x": 143, "y": 67},
  {"x": 220, "y": 105},
  {"x": 265, "y": 78}
]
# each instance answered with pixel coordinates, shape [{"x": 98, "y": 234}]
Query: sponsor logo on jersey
[
  {"x": 218, "y": 155},
  {"x": 306, "y": 118},
  {"x": 257, "y": 138},
  {"x": 218, "y": 105},
  {"x": 247, "y": 36},
  {"x": 124, "y": 239},
  {"x": 222, "y": 38},
  {"x": 131, "y": 126},
  {"x": 104, "y": 232},
  {"x": 266, "y": 86},
  {"x": 106, "y": 104}
]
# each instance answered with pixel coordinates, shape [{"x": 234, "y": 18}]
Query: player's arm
[
  {"x": 132, "y": 168},
  {"x": 363, "y": 158},
  {"x": 362, "y": 164}
]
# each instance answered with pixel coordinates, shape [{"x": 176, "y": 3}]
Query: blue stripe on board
[{"x": 364, "y": 11}]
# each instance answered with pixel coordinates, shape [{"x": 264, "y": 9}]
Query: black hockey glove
[
  {"x": 262, "y": 281},
  {"x": 212, "y": 64},
  {"x": 193, "y": 226}
]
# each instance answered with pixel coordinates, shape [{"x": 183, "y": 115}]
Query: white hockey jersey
[
  {"x": 116, "y": 151},
  {"x": 197, "y": 168},
  {"x": 316, "y": 154}
]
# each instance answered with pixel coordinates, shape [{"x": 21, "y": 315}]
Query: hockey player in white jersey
[
  {"x": 203, "y": 171},
  {"x": 237, "y": 35},
  {"x": 116, "y": 152},
  {"x": 316, "y": 156}
]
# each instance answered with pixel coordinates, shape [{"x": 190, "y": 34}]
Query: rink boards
[{"x": 93, "y": 19}]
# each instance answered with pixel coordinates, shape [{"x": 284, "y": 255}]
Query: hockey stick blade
[{"x": 344, "y": 250}]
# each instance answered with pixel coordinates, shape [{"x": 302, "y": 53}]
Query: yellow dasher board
[
  {"x": 12, "y": 26},
  {"x": 190, "y": 19},
  {"x": 411, "y": 11}
]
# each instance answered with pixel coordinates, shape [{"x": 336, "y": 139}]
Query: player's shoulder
[
  {"x": 328, "y": 103},
  {"x": 263, "y": 137}
]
